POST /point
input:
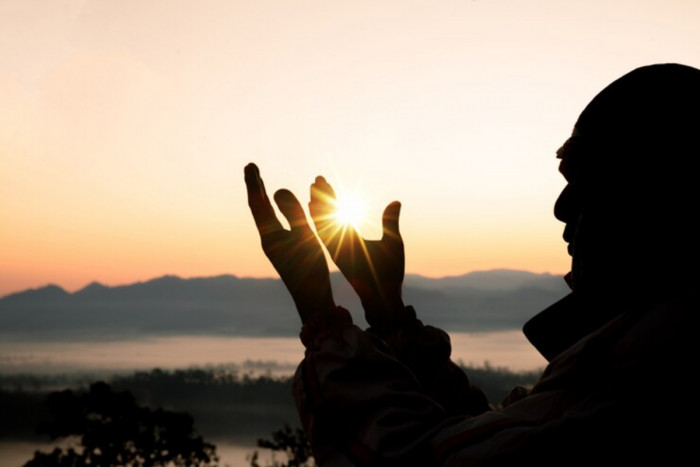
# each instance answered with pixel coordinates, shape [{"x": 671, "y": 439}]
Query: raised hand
[
  {"x": 374, "y": 268},
  {"x": 296, "y": 254}
]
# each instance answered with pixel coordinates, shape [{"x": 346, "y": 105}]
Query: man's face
[{"x": 569, "y": 206}]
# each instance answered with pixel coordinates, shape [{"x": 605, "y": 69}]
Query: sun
[{"x": 349, "y": 210}]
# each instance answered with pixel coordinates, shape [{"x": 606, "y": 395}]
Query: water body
[{"x": 508, "y": 349}]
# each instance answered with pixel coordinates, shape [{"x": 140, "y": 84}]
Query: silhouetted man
[{"x": 618, "y": 385}]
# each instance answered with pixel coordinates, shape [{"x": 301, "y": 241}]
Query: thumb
[{"x": 390, "y": 220}]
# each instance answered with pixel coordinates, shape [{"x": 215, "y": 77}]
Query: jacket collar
[{"x": 564, "y": 323}]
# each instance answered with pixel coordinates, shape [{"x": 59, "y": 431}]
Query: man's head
[{"x": 632, "y": 193}]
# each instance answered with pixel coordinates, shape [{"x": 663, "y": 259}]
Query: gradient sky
[{"x": 125, "y": 125}]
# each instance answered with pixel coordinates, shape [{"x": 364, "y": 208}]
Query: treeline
[{"x": 224, "y": 403}]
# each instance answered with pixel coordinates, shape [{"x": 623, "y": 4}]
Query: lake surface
[{"x": 507, "y": 349}]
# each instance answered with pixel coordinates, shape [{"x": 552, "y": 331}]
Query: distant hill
[
  {"x": 230, "y": 306},
  {"x": 492, "y": 280}
]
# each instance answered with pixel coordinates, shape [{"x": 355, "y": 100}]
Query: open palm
[
  {"x": 374, "y": 268},
  {"x": 296, "y": 254}
]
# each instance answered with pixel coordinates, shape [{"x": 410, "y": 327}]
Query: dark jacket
[{"x": 620, "y": 393}]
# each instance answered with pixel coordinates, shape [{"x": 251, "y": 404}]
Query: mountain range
[{"x": 231, "y": 306}]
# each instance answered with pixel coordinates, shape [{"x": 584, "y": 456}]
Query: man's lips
[{"x": 568, "y": 236}]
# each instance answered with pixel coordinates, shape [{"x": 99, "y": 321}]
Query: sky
[{"x": 125, "y": 125}]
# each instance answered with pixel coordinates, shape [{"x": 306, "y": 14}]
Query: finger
[
  {"x": 322, "y": 205},
  {"x": 390, "y": 220},
  {"x": 322, "y": 197},
  {"x": 291, "y": 209},
  {"x": 259, "y": 203}
]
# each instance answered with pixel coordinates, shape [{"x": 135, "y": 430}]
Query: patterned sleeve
[{"x": 363, "y": 400}]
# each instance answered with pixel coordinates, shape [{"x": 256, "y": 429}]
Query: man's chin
[{"x": 569, "y": 278}]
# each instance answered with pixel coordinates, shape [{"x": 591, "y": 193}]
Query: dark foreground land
[{"x": 223, "y": 403}]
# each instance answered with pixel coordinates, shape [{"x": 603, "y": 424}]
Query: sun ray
[
  {"x": 375, "y": 278},
  {"x": 349, "y": 211}
]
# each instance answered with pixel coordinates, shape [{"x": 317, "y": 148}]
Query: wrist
[
  {"x": 386, "y": 320},
  {"x": 322, "y": 326},
  {"x": 310, "y": 307},
  {"x": 389, "y": 304}
]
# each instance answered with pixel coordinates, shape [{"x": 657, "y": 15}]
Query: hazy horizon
[{"x": 241, "y": 276}]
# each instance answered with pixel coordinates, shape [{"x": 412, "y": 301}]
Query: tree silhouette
[
  {"x": 292, "y": 442},
  {"x": 114, "y": 430}
]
